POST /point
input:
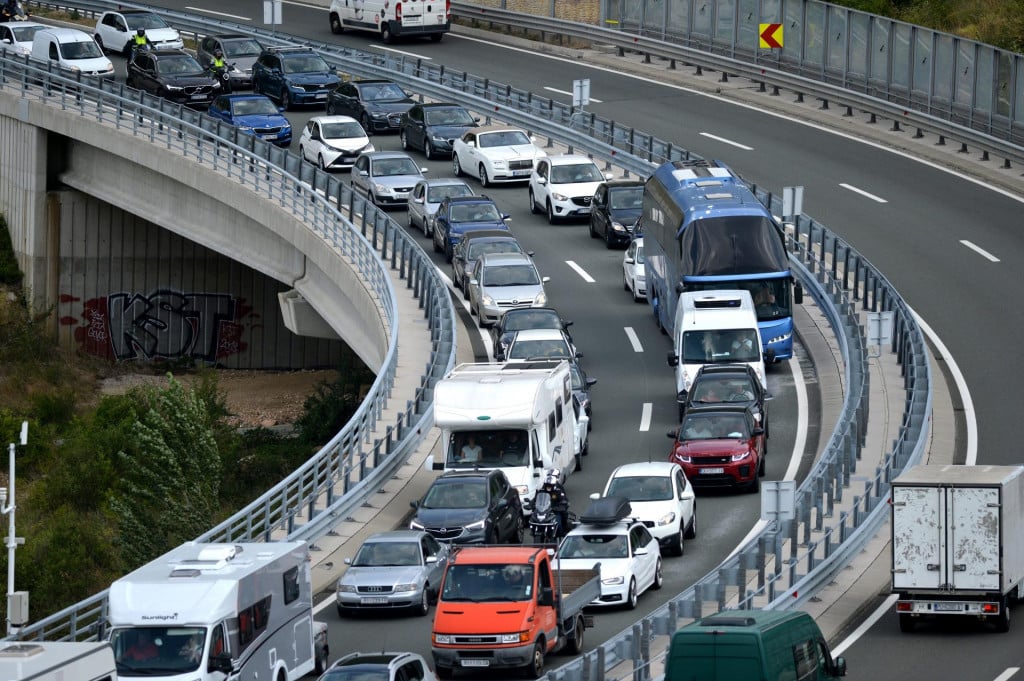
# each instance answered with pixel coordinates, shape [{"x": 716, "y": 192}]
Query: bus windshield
[{"x": 772, "y": 299}]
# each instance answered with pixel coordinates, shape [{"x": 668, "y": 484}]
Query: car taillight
[
  {"x": 447, "y": 8},
  {"x": 398, "y": 11}
]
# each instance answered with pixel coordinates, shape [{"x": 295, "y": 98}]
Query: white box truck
[
  {"x": 57, "y": 661},
  {"x": 715, "y": 327},
  {"x": 516, "y": 417},
  {"x": 215, "y": 611},
  {"x": 957, "y": 542}
]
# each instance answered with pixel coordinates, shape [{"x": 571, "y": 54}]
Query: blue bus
[{"x": 703, "y": 229}]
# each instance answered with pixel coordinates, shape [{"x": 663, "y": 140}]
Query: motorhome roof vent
[
  {"x": 219, "y": 553},
  {"x": 186, "y": 572},
  {"x": 20, "y": 650},
  {"x": 490, "y": 379},
  {"x": 716, "y": 303},
  {"x": 718, "y": 196}
]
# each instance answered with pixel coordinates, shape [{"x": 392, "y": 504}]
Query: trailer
[
  {"x": 957, "y": 542},
  {"x": 57, "y": 661}
]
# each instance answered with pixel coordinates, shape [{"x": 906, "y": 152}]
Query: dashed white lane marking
[{"x": 863, "y": 193}]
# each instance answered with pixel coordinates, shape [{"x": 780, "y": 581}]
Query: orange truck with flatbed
[{"x": 505, "y": 607}]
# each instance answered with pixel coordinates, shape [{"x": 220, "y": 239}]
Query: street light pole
[{"x": 14, "y": 602}]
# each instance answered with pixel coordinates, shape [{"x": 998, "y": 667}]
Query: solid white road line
[
  {"x": 408, "y": 54},
  {"x": 569, "y": 94},
  {"x": 1009, "y": 672},
  {"x": 863, "y": 193},
  {"x": 324, "y": 604},
  {"x": 485, "y": 336},
  {"x": 980, "y": 251},
  {"x": 885, "y": 607},
  {"x": 726, "y": 141},
  {"x": 645, "y": 417},
  {"x": 219, "y": 14},
  {"x": 633, "y": 340},
  {"x": 580, "y": 271}
]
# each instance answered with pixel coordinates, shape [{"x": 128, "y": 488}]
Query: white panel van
[
  {"x": 73, "y": 51},
  {"x": 392, "y": 19}
]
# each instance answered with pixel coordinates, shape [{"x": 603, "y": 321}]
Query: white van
[
  {"x": 73, "y": 51},
  {"x": 715, "y": 327},
  {"x": 390, "y": 19}
]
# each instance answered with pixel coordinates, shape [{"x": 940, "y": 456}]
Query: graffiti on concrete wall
[{"x": 163, "y": 325}]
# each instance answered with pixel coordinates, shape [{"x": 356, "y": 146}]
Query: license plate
[
  {"x": 947, "y": 607},
  {"x": 272, "y": 136},
  {"x": 377, "y": 600},
  {"x": 712, "y": 471},
  {"x": 473, "y": 662},
  {"x": 197, "y": 97},
  {"x": 321, "y": 95},
  {"x": 520, "y": 173}
]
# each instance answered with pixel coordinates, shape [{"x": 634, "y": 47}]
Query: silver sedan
[
  {"x": 393, "y": 570},
  {"x": 427, "y": 195}
]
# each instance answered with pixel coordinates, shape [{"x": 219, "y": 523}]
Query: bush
[
  {"x": 332, "y": 405},
  {"x": 253, "y": 462}
]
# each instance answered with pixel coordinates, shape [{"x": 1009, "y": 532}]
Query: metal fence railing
[{"x": 778, "y": 561}]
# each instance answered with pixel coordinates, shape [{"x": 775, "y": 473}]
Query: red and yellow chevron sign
[{"x": 771, "y": 35}]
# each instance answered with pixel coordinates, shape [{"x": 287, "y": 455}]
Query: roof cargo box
[{"x": 606, "y": 511}]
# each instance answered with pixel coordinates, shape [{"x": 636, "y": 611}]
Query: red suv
[{"x": 721, "y": 446}]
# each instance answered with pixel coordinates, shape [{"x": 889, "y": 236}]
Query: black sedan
[
  {"x": 173, "y": 75},
  {"x": 525, "y": 318},
  {"x": 616, "y": 206},
  {"x": 432, "y": 127},
  {"x": 730, "y": 384},
  {"x": 377, "y": 104}
]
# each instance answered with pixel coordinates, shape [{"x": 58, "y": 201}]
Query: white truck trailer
[
  {"x": 208, "y": 612},
  {"x": 957, "y": 542},
  {"x": 520, "y": 416},
  {"x": 57, "y": 661}
]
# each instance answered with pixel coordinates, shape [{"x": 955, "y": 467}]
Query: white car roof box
[{"x": 606, "y": 511}]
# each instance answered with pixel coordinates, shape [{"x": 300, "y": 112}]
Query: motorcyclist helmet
[
  {"x": 218, "y": 53},
  {"x": 552, "y": 477},
  {"x": 141, "y": 31}
]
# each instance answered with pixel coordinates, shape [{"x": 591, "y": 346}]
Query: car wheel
[
  {"x": 373, "y": 198},
  {"x": 404, "y": 139},
  {"x": 341, "y": 612},
  {"x": 631, "y": 594},
  {"x": 385, "y": 34},
  {"x": 99, "y": 43},
  {"x": 436, "y": 37},
  {"x": 691, "y": 530},
  {"x": 472, "y": 309},
  {"x": 533, "y": 203},
  {"x": 906, "y": 623},
  {"x": 575, "y": 645},
  {"x": 437, "y": 248},
  {"x": 551, "y": 213},
  {"x": 675, "y": 548},
  {"x": 320, "y": 664},
  {"x": 593, "y": 232},
  {"x": 659, "y": 576},
  {"x": 286, "y": 99},
  {"x": 448, "y": 252},
  {"x": 492, "y": 537},
  {"x": 410, "y": 223},
  {"x": 761, "y": 466},
  {"x": 465, "y": 291},
  {"x": 608, "y": 240},
  {"x": 625, "y": 282},
  {"x": 636, "y": 296},
  {"x": 443, "y": 672},
  {"x": 330, "y": 108},
  {"x": 456, "y": 166},
  {"x": 428, "y": 150},
  {"x": 302, "y": 152},
  {"x": 482, "y": 174},
  {"x": 423, "y": 607},
  {"x": 336, "y": 26},
  {"x": 755, "y": 485},
  {"x": 535, "y": 669}
]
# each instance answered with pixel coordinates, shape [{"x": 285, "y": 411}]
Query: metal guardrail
[{"x": 838, "y": 287}]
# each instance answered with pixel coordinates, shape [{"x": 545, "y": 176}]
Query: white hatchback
[
  {"x": 116, "y": 31},
  {"x": 333, "y": 142},
  {"x": 495, "y": 154},
  {"x": 563, "y": 186},
  {"x": 16, "y": 37},
  {"x": 633, "y": 278},
  {"x": 661, "y": 497}
]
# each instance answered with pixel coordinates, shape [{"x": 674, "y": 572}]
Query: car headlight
[
  {"x": 522, "y": 490},
  {"x": 541, "y": 300},
  {"x": 405, "y": 587},
  {"x": 617, "y": 227},
  {"x": 779, "y": 339},
  {"x": 612, "y": 581},
  {"x": 499, "y": 163},
  {"x": 443, "y": 638},
  {"x": 75, "y": 69},
  {"x": 378, "y": 115},
  {"x": 381, "y": 188},
  {"x": 439, "y": 138},
  {"x": 518, "y": 637},
  {"x": 368, "y": 147},
  {"x": 297, "y": 88},
  {"x": 478, "y": 525},
  {"x": 346, "y": 588},
  {"x": 415, "y": 525},
  {"x": 667, "y": 519},
  {"x": 681, "y": 458},
  {"x": 559, "y": 197},
  {"x": 487, "y": 300},
  {"x": 108, "y": 69},
  {"x": 174, "y": 88},
  {"x": 739, "y": 457}
]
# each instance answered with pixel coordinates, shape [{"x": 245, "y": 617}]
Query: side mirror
[
  {"x": 348, "y": 561},
  {"x": 471, "y": 144},
  {"x": 672, "y": 434},
  {"x": 840, "y": 666},
  {"x": 431, "y": 560},
  {"x": 673, "y": 359},
  {"x": 529, "y": 253},
  {"x": 546, "y": 596},
  {"x": 591, "y": 381},
  {"x": 757, "y": 431},
  {"x": 579, "y": 355},
  {"x": 608, "y": 176},
  {"x": 473, "y": 282},
  {"x": 566, "y": 323},
  {"x": 594, "y": 496},
  {"x": 418, "y": 200},
  {"x": 424, "y": 170},
  {"x": 542, "y": 180},
  {"x": 545, "y": 280},
  {"x": 221, "y": 663},
  {"x": 476, "y": 119},
  {"x": 506, "y": 216},
  {"x": 281, "y": 109},
  {"x": 536, "y": 471},
  {"x": 629, "y": 260},
  {"x": 640, "y": 552},
  {"x": 414, "y": 504},
  {"x": 798, "y": 298}
]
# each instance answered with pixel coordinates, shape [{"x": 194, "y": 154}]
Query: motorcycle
[
  {"x": 544, "y": 520},
  {"x": 19, "y": 13},
  {"x": 223, "y": 77}
]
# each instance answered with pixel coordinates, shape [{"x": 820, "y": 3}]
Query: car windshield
[
  {"x": 511, "y": 275},
  {"x": 441, "y": 192},
  {"x": 627, "y": 198},
  {"x": 311, "y": 63},
  {"x": 137, "y": 21},
  {"x": 382, "y": 92},
  {"x": 594, "y": 546},
  {"x": 83, "y": 49},
  {"x": 577, "y": 172},
  {"x": 712, "y": 427},
  {"x": 482, "y": 583},
  {"x": 640, "y": 488},
  {"x": 255, "y": 106},
  {"x": 503, "y": 138},
  {"x": 549, "y": 349},
  {"x": 721, "y": 345},
  {"x": 158, "y": 651},
  {"x": 456, "y": 494},
  {"x": 452, "y": 116},
  {"x": 357, "y": 672},
  {"x": 25, "y": 34},
  {"x": 387, "y": 554},
  {"x": 342, "y": 130},
  {"x": 242, "y": 48},
  {"x": 475, "y": 212},
  {"x": 478, "y": 248},
  {"x": 711, "y": 388},
  {"x": 388, "y": 167},
  {"x": 183, "y": 65},
  {"x": 531, "y": 319},
  {"x": 490, "y": 448}
]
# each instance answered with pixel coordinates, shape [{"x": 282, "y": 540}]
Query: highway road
[{"x": 911, "y": 220}]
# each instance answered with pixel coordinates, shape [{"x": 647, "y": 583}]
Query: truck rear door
[
  {"x": 974, "y": 551},
  {"x": 918, "y": 541}
]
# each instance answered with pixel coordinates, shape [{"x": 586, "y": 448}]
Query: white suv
[{"x": 563, "y": 186}]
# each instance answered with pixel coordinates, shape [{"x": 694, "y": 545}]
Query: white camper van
[
  {"x": 209, "y": 611},
  {"x": 520, "y": 417},
  {"x": 391, "y": 19},
  {"x": 72, "y": 51},
  {"x": 715, "y": 327},
  {"x": 53, "y": 661}
]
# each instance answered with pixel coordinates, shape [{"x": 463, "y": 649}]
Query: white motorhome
[
  {"x": 57, "y": 661},
  {"x": 715, "y": 327},
  {"x": 519, "y": 417},
  {"x": 210, "y": 611},
  {"x": 391, "y": 19}
]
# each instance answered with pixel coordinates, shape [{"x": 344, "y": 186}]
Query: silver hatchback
[
  {"x": 393, "y": 570},
  {"x": 427, "y": 195},
  {"x": 503, "y": 281},
  {"x": 386, "y": 177}
]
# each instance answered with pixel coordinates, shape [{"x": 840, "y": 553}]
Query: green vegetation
[{"x": 107, "y": 484}]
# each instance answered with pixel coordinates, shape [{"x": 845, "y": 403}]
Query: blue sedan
[{"x": 254, "y": 115}]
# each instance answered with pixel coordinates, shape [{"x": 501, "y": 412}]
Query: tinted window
[
  {"x": 310, "y": 63},
  {"x": 241, "y": 48},
  {"x": 504, "y": 138},
  {"x": 580, "y": 172},
  {"x": 453, "y": 116},
  {"x": 456, "y": 494},
  {"x": 442, "y": 192},
  {"x": 291, "y": 585}
]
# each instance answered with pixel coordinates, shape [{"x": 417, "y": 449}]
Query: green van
[{"x": 752, "y": 645}]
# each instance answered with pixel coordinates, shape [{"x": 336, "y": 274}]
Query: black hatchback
[
  {"x": 174, "y": 75},
  {"x": 733, "y": 384},
  {"x": 470, "y": 507},
  {"x": 525, "y": 318},
  {"x": 433, "y": 126},
  {"x": 616, "y": 206}
]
